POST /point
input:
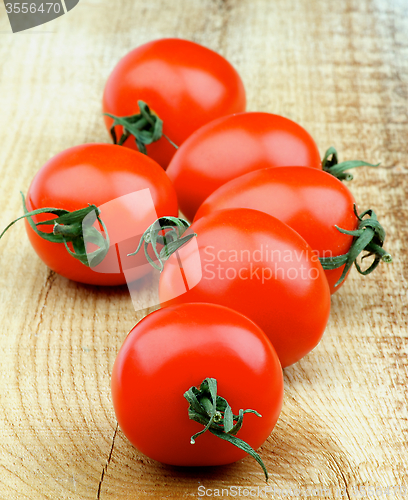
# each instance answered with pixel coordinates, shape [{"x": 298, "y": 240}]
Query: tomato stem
[
  {"x": 330, "y": 164},
  {"x": 369, "y": 236},
  {"x": 214, "y": 412},
  {"x": 146, "y": 127},
  {"x": 166, "y": 232},
  {"x": 71, "y": 227}
]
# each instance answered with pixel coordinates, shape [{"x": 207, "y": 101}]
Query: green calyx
[
  {"x": 214, "y": 412},
  {"x": 146, "y": 127},
  {"x": 71, "y": 227},
  {"x": 369, "y": 236},
  {"x": 330, "y": 164},
  {"x": 166, "y": 232}
]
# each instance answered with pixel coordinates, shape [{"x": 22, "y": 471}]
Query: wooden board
[{"x": 338, "y": 68}]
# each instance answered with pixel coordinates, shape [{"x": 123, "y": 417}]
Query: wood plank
[{"x": 338, "y": 68}]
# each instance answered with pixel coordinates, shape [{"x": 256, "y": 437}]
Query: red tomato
[
  {"x": 185, "y": 84},
  {"x": 232, "y": 146},
  {"x": 175, "y": 348},
  {"x": 252, "y": 262},
  {"x": 308, "y": 200},
  {"x": 97, "y": 174}
]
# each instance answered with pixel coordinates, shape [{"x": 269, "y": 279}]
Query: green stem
[
  {"x": 369, "y": 237},
  {"x": 70, "y": 227},
  {"x": 330, "y": 164},
  {"x": 383, "y": 254},
  {"x": 146, "y": 127},
  {"x": 214, "y": 412},
  {"x": 166, "y": 232}
]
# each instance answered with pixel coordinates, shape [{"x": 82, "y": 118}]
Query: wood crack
[
  {"x": 51, "y": 277},
  {"x": 343, "y": 476},
  {"x": 105, "y": 467}
]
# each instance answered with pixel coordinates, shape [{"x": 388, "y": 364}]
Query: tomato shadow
[
  {"x": 137, "y": 298},
  {"x": 221, "y": 474},
  {"x": 300, "y": 449}
]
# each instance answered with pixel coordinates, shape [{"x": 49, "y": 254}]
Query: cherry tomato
[
  {"x": 310, "y": 201},
  {"x": 97, "y": 174},
  {"x": 254, "y": 263},
  {"x": 175, "y": 348},
  {"x": 234, "y": 145},
  {"x": 185, "y": 84}
]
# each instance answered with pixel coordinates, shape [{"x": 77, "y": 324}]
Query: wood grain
[{"x": 338, "y": 68}]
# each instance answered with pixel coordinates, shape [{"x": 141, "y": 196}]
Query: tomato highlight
[
  {"x": 185, "y": 84},
  {"x": 255, "y": 264},
  {"x": 124, "y": 189},
  {"x": 316, "y": 205},
  {"x": 192, "y": 351},
  {"x": 238, "y": 144}
]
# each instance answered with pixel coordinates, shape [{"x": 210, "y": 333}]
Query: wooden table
[{"x": 338, "y": 68}]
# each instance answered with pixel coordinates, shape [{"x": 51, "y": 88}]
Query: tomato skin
[
  {"x": 185, "y": 84},
  {"x": 177, "y": 347},
  {"x": 290, "y": 301},
  {"x": 93, "y": 174},
  {"x": 232, "y": 146},
  {"x": 308, "y": 200}
]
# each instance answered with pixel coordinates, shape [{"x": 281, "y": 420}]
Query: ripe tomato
[
  {"x": 310, "y": 201},
  {"x": 234, "y": 145},
  {"x": 254, "y": 263},
  {"x": 97, "y": 174},
  {"x": 175, "y": 348},
  {"x": 185, "y": 84}
]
